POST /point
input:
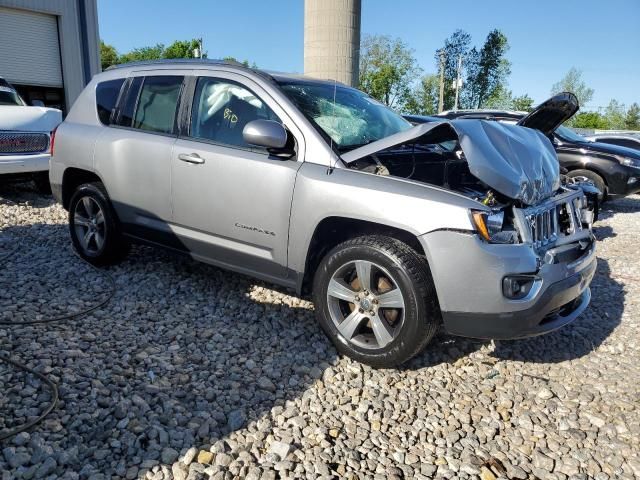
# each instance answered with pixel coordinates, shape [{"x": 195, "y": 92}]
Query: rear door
[
  {"x": 133, "y": 156},
  {"x": 231, "y": 200}
]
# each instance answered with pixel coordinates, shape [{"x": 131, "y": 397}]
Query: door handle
[{"x": 191, "y": 158}]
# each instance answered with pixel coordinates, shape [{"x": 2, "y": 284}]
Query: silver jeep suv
[{"x": 319, "y": 188}]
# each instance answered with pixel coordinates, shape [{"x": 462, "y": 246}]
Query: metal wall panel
[
  {"x": 73, "y": 44},
  {"x": 29, "y": 48}
]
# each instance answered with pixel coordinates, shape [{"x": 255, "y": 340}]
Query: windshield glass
[
  {"x": 8, "y": 96},
  {"x": 347, "y": 116},
  {"x": 569, "y": 135}
]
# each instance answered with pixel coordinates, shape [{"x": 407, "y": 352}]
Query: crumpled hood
[
  {"x": 29, "y": 119},
  {"x": 518, "y": 162}
]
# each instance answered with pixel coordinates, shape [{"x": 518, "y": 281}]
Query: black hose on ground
[{"x": 53, "y": 387}]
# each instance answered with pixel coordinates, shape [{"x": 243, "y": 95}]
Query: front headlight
[
  {"x": 629, "y": 162},
  {"x": 487, "y": 224}
]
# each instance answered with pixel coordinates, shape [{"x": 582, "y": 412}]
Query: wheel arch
[
  {"x": 72, "y": 178},
  {"x": 590, "y": 167},
  {"x": 334, "y": 230}
]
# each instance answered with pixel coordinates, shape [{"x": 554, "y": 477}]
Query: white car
[{"x": 25, "y": 138}]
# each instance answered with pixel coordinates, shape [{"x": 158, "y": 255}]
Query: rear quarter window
[{"x": 106, "y": 98}]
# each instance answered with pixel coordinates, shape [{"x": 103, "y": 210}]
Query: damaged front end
[
  {"x": 512, "y": 171},
  {"x": 528, "y": 269}
]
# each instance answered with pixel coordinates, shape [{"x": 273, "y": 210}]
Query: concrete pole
[
  {"x": 332, "y": 40},
  {"x": 441, "y": 96},
  {"x": 458, "y": 81}
]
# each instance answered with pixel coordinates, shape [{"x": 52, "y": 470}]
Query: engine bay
[
  {"x": 444, "y": 164},
  {"x": 440, "y": 164}
]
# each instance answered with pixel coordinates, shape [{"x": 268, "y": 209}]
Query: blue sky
[{"x": 602, "y": 38}]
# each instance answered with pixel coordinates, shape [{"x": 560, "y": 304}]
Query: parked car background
[
  {"x": 26, "y": 137},
  {"x": 613, "y": 169},
  {"x": 628, "y": 140}
]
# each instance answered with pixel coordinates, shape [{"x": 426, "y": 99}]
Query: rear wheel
[
  {"x": 374, "y": 298},
  {"x": 93, "y": 226},
  {"x": 592, "y": 177}
]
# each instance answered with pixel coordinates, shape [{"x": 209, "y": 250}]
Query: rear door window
[
  {"x": 106, "y": 98},
  {"x": 129, "y": 102},
  {"x": 158, "y": 104}
]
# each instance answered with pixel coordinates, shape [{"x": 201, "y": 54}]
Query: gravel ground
[{"x": 193, "y": 372}]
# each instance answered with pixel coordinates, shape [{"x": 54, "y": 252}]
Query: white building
[{"x": 49, "y": 49}]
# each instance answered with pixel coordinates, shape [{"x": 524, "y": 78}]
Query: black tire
[
  {"x": 113, "y": 246},
  {"x": 41, "y": 181},
  {"x": 596, "y": 179},
  {"x": 409, "y": 271}
]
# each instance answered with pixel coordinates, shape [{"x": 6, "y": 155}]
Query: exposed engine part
[
  {"x": 380, "y": 168},
  {"x": 490, "y": 199}
]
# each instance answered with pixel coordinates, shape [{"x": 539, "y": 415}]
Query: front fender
[{"x": 389, "y": 201}]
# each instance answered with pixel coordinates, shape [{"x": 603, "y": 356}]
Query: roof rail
[{"x": 170, "y": 61}]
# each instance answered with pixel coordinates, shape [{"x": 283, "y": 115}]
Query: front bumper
[
  {"x": 15, "y": 164},
  {"x": 468, "y": 276},
  {"x": 621, "y": 180}
]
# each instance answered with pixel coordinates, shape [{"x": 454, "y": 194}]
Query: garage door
[{"x": 29, "y": 48}]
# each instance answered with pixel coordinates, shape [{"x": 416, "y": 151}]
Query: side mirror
[
  {"x": 37, "y": 103},
  {"x": 266, "y": 133}
]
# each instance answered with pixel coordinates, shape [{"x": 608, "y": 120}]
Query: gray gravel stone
[{"x": 188, "y": 358}]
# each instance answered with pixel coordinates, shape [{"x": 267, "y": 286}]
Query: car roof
[
  {"x": 634, "y": 136},
  {"x": 488, "y": 111},
  {"x": 482, "y": 114},
  {"x": 230, "y": 64}
]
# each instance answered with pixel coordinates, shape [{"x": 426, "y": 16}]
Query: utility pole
[
  {"x": 458, "y": 81},
  {"x": 197, "y": 52},
  {"x": 441, "y": 97}
]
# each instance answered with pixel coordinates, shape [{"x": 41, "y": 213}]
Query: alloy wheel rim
[
  {"x": 366, "y": 304},
  {"x": 89, "y": 225}
]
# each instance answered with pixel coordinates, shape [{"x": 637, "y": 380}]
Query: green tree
[
  {"x": 108, "y": 55},
  {"x": 244, "y": 62},
  {"x": 487, "y": 70},
  {"x": 500, "y": 99},
  {"x": 572, "y": 82},
  {"x": 182, "y": 49},
  {"x": 523, "y": 103},
  {"x": 387, "y": 69},
  {"x": 455, "y": 47},
  {"x": 615, "y": 115},
  {"x": 632, "y": 119},
  {"x": 144, "y": 53},
  {"x": 593, "y": 120},
  {"x": 424, "y": 98}
]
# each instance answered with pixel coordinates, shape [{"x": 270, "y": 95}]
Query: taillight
[{"x": 52, "y": 141}]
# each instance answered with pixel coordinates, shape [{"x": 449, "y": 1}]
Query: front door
[{"x": 231, "y": 200}]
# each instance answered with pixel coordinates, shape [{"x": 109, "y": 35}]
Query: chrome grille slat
[
  {"x": 23, "y": 142},
  {"x": 541, "y": 224}
]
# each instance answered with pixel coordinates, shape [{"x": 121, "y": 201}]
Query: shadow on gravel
[
  {"x": 184, "y": 354},
  {"x": 582, "y": 336},
  {"x": 629, "y": 204},
  {"x": 23, "y": 192}
]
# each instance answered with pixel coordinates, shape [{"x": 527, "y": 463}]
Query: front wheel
[
  {"x": 589, "y": 176},
  {"x": 93, "y": 226},
  {"x": 374, "y": 298}
]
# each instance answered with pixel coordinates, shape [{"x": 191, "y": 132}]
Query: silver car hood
[{"x": 518, "y": 162}]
